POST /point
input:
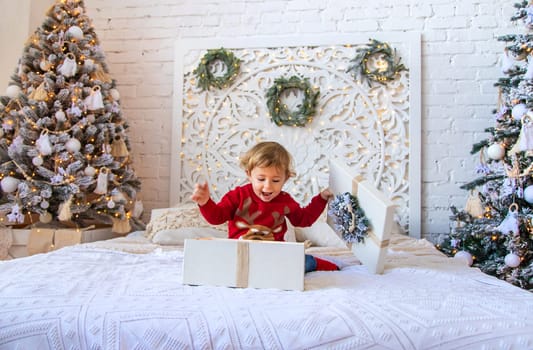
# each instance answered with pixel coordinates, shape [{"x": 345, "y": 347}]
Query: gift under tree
[
  {"x": 64, "y": 152},
  {"x": 495, "y": 229}
]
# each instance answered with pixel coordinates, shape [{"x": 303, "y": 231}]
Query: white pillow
[
  {"x": 178, "y": 236},
  {"x": 177, "y": 217},
  {"x": 320, "y": 234}
]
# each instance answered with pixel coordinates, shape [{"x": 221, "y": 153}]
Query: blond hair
[{"x": 268, "y": 154}]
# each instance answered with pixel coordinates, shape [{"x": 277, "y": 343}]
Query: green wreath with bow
[
  {"x": 206, "y": 79},
  {"x": 389, "y": 65},
  {"x": 280, "y": 113}
]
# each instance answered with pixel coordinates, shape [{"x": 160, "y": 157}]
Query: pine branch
[{"x": 481, "y": 181}]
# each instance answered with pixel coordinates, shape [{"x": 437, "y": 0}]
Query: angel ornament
[
  {"x": 101, "y": 181},
  {"x": 45, "y": 65},
  {"x": 510, "y": 224},
  {"x": 94, "y": 101},
  {"x": 69, "y": 67},
  {"x": 507, "y": 62},
  {"x": 529, "y": 71},
  {"x": 64, "y": 211},
  {"x": 526, "y": 134},
  {"x": 43, "y": 144}
]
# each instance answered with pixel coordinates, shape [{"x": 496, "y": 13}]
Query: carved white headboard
[{"x": 374, "y": 130}]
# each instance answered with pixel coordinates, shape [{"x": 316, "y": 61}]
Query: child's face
[{"x": 267, "y": 182}]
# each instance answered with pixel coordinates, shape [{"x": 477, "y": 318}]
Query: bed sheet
[{"x": 128, "y": 294}]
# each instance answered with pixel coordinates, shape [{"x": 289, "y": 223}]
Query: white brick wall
[{"x": 459, "y": 67}]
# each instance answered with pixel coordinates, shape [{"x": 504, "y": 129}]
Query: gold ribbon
[
  {"x": 242, "y": 264},
  {"x": 375, "y": 239}
]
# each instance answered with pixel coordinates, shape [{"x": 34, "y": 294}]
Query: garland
[
  {"x": 280, "y": 113},
  {"x": 389, "y": 67},
  {"x": 349, "y": 219},
  {"x": 206, "y": 79}
]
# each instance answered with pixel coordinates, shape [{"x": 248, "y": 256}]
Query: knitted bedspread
[{"x": 128, "y": 294}]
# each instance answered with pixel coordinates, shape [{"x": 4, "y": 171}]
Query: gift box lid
[{"x": 378, "y": 209}]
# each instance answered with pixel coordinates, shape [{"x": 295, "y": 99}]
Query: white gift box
[
  {"x": 244, "y": 263},
  {"x": 378, "y": 209}
]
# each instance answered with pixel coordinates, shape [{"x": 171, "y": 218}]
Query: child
[{"x": 258, "y": 209}]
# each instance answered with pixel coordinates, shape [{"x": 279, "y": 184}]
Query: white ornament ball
[
  {"x": 512, "y": 260},
  {"x": 518, "y": 111},
  {"x": 110, "y": 204},
  {"x": 465, "y": 256},
  {"x": 45, "y": 204},
  {"x": 115, "y": 95},
  {"x": 75, "y": 32},
  {"x": 45, "y": 217},
  {"x": 37, "y": 161},
  {"x": 528, "y": 194},
  {"x": 496, "y": 151},
  {"x": 13, "y": 91},
  {"x": 9, "y": 184},
  {"x": 90, "y": 171},
  {"x": 117, "y": 196},
  {"x": 91, "y": 118},
  {"x": 60, "y": 116},
  {"x": 73, "y": 145},
  {"x": 45, "y": 65},
  {"x": 88, "y": 64}
]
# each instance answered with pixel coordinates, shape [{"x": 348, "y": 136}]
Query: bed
[{"x": 128, "y": 293}]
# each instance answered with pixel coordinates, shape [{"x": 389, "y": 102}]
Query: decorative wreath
[
  {"x": 386, "y": 66},
  {"x": 206, "y": 79},
  {"x": 280, "y": 113},
  {"x": 349, "y": 219}
]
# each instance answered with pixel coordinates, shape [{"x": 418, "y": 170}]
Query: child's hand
[
  {"x": 326, "y": 194},
  {"x": 201, "y": 193}
]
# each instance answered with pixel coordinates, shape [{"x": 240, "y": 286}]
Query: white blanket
[{"x": 88, "y": 297}]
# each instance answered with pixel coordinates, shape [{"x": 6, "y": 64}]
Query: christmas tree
[
  {"x": 494, "y": 231},
  {"x": 64, "y": 153}
]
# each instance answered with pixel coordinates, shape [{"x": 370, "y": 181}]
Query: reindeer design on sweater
[{"x": 255, "y": 231}]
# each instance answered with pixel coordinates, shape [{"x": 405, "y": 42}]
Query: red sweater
[{"x": 242, "y": 205}]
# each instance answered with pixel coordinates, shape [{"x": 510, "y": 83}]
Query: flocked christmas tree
[
  {"x": 64, "y": 152},
  {"x": 495, "y": 229}
]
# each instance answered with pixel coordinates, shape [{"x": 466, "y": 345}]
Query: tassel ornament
[
  {"x": 121, "y": 226},
  {"x": 100, "y": 75},
  {"x": 39, "y": 94},
  {"x": 118, "y": 147},
  {"x": 473, "y": 206}
]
